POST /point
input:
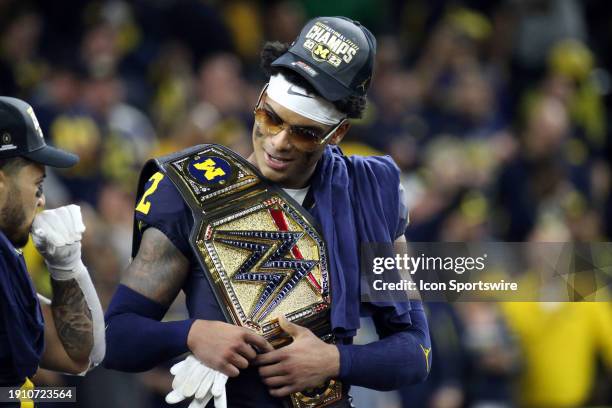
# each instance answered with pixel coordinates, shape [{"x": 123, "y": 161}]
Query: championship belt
[{"x": 260, "y": 251}]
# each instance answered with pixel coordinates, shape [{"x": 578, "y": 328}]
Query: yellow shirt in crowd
[{"x": 560, "y": 343}]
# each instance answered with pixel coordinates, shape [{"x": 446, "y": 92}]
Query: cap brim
[
  {"x": 325, "y": 84},
  {"x": 50, "y": 156}
]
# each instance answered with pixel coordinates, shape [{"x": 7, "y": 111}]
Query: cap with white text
[{"x": 335, "y": 55}]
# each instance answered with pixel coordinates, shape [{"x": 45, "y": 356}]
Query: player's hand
[
  {"x": 57, "y": 236},
  {"x": 225, "y": 347},
  {"x": 305, "y": 363},
  {"x": 194, "y": 379}
]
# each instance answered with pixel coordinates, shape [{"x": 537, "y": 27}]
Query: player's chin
[
  {"x": 20, "y": 239},
  {"x": 274, "y": 175}
]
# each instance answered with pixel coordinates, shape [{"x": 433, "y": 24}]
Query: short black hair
[
  {"x": 12, "y": 165},
  {"x": 352, "y": 106}
]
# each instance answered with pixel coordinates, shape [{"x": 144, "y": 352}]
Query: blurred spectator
[
  {"x": 171, "y": 75},
  {"x": 283, "y": 20},
  {"x": 198, "y": 25},
  {"x": 219, "y": 115},
  {"x": 128, "y": 135},
  {"x": 528, "y": 31},
  {"x": 542, "y": 23},
  {"x": 21, "y": 67},
  {"x": 538, "y": 175},
  {"x": 243, "y": 19},
  {"x": 560, "y": 344},
  {"x": 450, "y": 195},
  {"x": 492, "y": 356},
  {"x": 70, "y": 124},
  {"x": 90, "y": 118},
  {"x": 371, "y": 13}
]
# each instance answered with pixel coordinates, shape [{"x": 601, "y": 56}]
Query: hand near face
[
  {"x": 305, "y": 363},
  {"x": 57, "y": 236},
  {"x": 225, "y": 347}
]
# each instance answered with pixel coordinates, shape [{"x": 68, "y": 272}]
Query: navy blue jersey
[{"x": 21, "y": 321}]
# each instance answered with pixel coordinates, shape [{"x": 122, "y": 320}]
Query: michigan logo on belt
[{"x": 210, "y": 170}]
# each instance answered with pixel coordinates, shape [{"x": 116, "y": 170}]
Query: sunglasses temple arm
[{"x": 332, "y": 132}]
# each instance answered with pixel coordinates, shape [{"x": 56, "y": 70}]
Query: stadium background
[{"x": 497, "y": 112}]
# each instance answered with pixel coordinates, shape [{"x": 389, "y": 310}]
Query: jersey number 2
[{"x": 143, "y": 205}]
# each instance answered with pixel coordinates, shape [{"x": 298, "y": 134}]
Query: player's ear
[{"x": 339, "y": 134}]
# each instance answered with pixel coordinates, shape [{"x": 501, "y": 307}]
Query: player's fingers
[
  {"x": 283, "y": 391},
  {"x": 277, "y": 382},
  {"x": 291, "y": 329},
  {"x": 258, "y": 341},
  {"x": 246, "y": 351},
  {"x": 272, "y": 370},
  {"x": 229, "y": 370},
  {"x": 238, "y": 361},
  {"x": 269, "y": 358}
]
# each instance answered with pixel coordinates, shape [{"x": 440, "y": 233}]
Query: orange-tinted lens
[
  {"x": 303, "y": 139},
  {"x": 266, "y": 123}
]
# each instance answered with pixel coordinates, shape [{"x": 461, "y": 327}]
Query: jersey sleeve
[
  {"x": 400, "y": 357},
  {"x": 404, "y": 217},
  {"x": 162, "y": 207}
]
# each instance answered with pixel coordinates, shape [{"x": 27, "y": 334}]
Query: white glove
[
  {"x": 57, "y": 236},
  {"x": 194, "y": 379}
]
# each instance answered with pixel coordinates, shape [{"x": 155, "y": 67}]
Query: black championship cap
[
  {"x": 335, "y": 55},
  {"x": 20, "y": 135}
]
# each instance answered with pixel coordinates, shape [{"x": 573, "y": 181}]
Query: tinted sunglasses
[{"x": 303, "y": 137}]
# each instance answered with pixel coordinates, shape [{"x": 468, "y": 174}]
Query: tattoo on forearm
[
  {"x": 158, "y": 270},
  {"x": 72, "y": 319}
]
